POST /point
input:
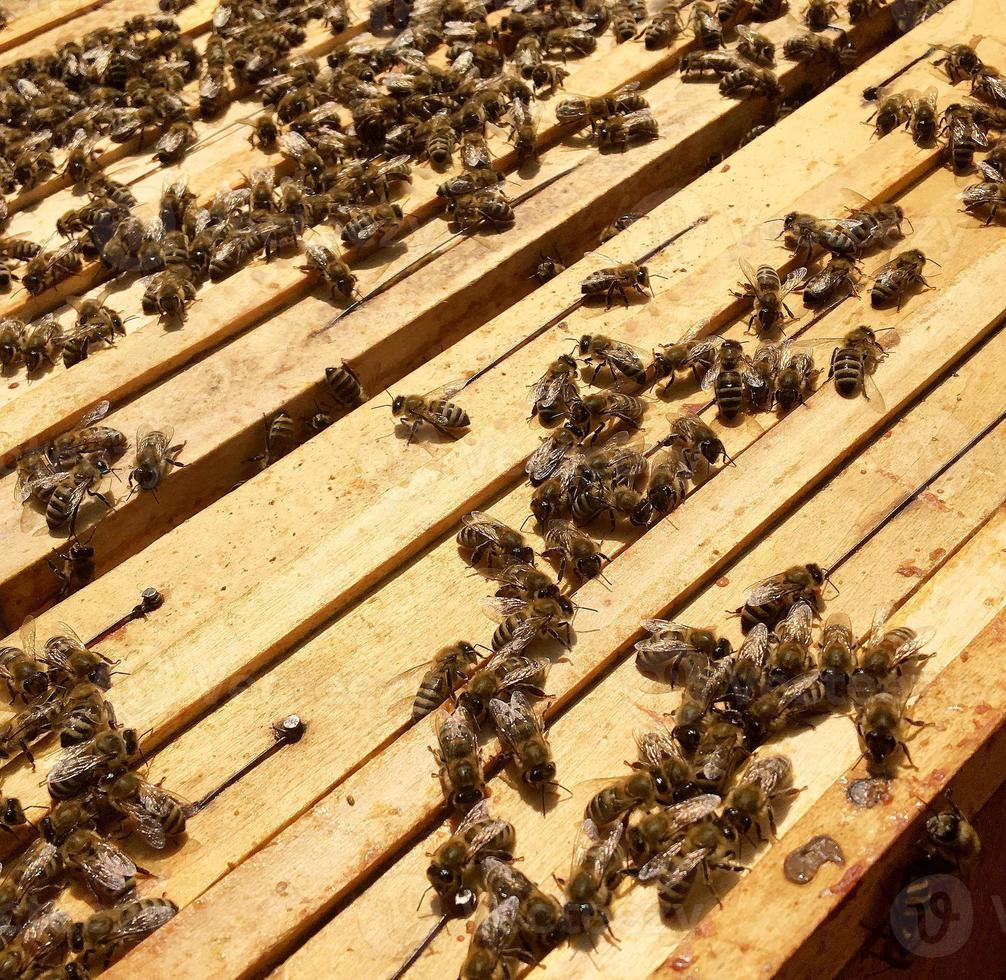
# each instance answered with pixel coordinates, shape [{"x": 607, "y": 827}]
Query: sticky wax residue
[{"x": 801, "y": 865}]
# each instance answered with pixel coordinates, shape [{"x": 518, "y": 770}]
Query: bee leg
[{"x": 908, "y": 756}]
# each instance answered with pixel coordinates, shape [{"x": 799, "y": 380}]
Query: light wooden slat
[
  {"x": 387, "y": 789},
  {"x": 762, "y": 470},
  {"x": 258, "y": 344},
  {"x": 252, "y": 294},
  {"x": 966, "y": 743},
  {"x": 583, "y": 750},
  {"x": 295, "y": 617},
  {"x": 31, "y": 19},
  {"x": 308, "y": 682}
]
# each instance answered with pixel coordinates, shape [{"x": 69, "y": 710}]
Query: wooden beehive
[{"x": 314, "y": 585}]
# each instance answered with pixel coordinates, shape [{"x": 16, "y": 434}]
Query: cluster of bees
[
  {"x": 61, "y": 694},
  {"x": 977, "y": 125},
  {"x": 76, "y": 466}
]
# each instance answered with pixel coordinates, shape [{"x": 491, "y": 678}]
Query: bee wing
[
  {"x": 929, "y": 97},
  {"x": 909, "y": 650},
  {"x": 157, "y": 439},
  {"x": 156, "y": 798},
  {"x": 563, "y": 534},
  {"x": 749, "y": 273},
  {"x": 793, "y": 280},
  {"x": 293, "y": 144},
  {"x": 476, "y": 815},
  {"x": 693, "y": 810},
  {"x": 494, "y": 931},
  {"x": 667, "y": 643},
  {"x": 880, "y": 617},
  {"x": 873, "y": 394},
  {"x": 170, "y": 141},
  {"x": 76, "y": 761},
  {"x": 95, "y": 415},
  {"x": 769, "y": 772},
  {"x": 474, "y": 152},
  {"x": 624, "y": 355},
  {"x": 484, "y": 524},
  {"x": 637, "y": 116},
  {"x": 27, "y": 632},
  {"x": 39, "y": 484},
  {"x": 499, "y": 607},
  {"x": 145, "y": 921},
  {"x": 709, "y": 378},
  {"x": 106, "y": 868},
  {"x": 660, "y": 865},
  {"x": 543, "y": 461},
  {"x": 755, "y": 646},
  {"x": 35, "y": 865},
  {"x": 456, "y": 727},
  {"x": 797, "y": 625},
  {"x": 145, "y": 826},
  {"x": 209, "y": 86},
  {"x": 45, "y": 931},
  {"x": 769, "y": 590},
  {"x": 792, "y": 689},
  {"x": 695, "y": 330},
  {"x": 522, "y": 637},
  {"x": 587, "y": 837},
  {"x": 521, "y": 711}
]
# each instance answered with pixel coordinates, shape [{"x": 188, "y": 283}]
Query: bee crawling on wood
[
  {"x": 894, "y": 279},
  {"x": 768, "y": 293},
  {"x": 989, "y": 195},
  {"x": 435, "y": 409},
  {"x": 154, "y": 457},
  {"x": 617, "y": 280}
]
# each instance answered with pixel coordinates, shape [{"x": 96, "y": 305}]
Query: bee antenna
[
  {"x": 934, "y": 262},
  {"x": 526, "y": 519}
]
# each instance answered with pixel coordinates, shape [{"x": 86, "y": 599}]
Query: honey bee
[
  {"x": 960, "y": 61},
  {"x": 523, "y": 732},
  {"x": 81, "y": 157},
  {"x": 214, "y": 95},
  {"x": 42, "y": 938},
  {"x": 696, "y": 64},
  {"x": 603, "y": 407},
  {"x": 706, "y": 26},
  {"x": 41, "y": 342},
  {"x": 458, "y": 758},
  {"x": 707, "y": 843},
  {"x": 521, "y": 620},
  {"x": 65, "y": 491},
  {"x": 893, "y": 279},
  {"x": 989, "y": 195},
  {"x": 751, "y": 81},
  {"x": 442, "y": 675},
  {"x": 755, "y": 47},
  {"x": 963, "y": 135},
  {"x": 770, "y": 600},
  {"x": 768, "y": 293},
  {"x": 854, "y": 362},
  {"x": 488, "y": 952},
  {"x": 621, "y": 359},
  {"x": 574, "y": 550},
  {"x": 11, "y": 339},
  {"x": 892, "y": 111},
  {"x": 791, "y": 653},
  {"x": 726, "y": 380},
  {"x": 818, "y": 14},
  {"x": 539, "y": 915},
  {"x": 19, "y": 248},
  {"x": 884, "y": 655},
  {"x": 837, "y": 280},
  {"x": 869, "y": 225},
  {"x": 83, "y": 766},
  {"x": 950, "y": 837},
  {"x": 369, "y": 223},
  {"x": 21, "y": 670},
  {"x": 594, "y": 873},
  {"x": 175, "y": 143},
  {"x": 265, "y": 133},
  {"x": 668, "y": 481},
  {"x": 168, "y": 293},
  {"x": 83, "y": 713},
  {"x": 344, "y": 385},
  {"x": 857, "y": 10},
  {"x": 747, "y": 673},
  {"x": 664, "y": 27},
  {"x": 880, "y": 724},
  {"x": 617, "y": 280},
  {"x": 795, "y": 379},
  {"x": 102, "y": 935},
  {"x": 106, "y": 870},
  {"x": 777, "y": 707},
  {"x": 618, "y": 131},
  {"x": 760, "y": 377},
  {"x": 923, "y": 122},
  {"x": 621, "y": 796},
  {"x": 74, "y": 567},
  {"x": 155, "y": 814},
  {"x": 989, "y": 84},
  {"x": 565, "y": 41},
  {"x": 619, "y": 225},
  {"x": 523, "y": 133},
  {"x": 154, "y": 456},
  {"x": 484, "y": 207},
  {"x": 548, "y": 457},
  {"x": 695, "y": 440},
  {"x": 555, "y": 390},
  {"x": 484, "y": 537},
  {"x": 837, "y": 655},
  {"x": 435, "y": 409},
  {"x": 88, "y": 438},
  {"x": 48, "y": 269},
  {"x": 673, "y": 648},
  {"x": 70, "y": 661}
]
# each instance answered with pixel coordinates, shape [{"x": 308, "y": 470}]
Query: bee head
[
  {"x": 880, "y": 745},
  {"x": 544, "y": 773},
  {"x": 397, "y": 404}
]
